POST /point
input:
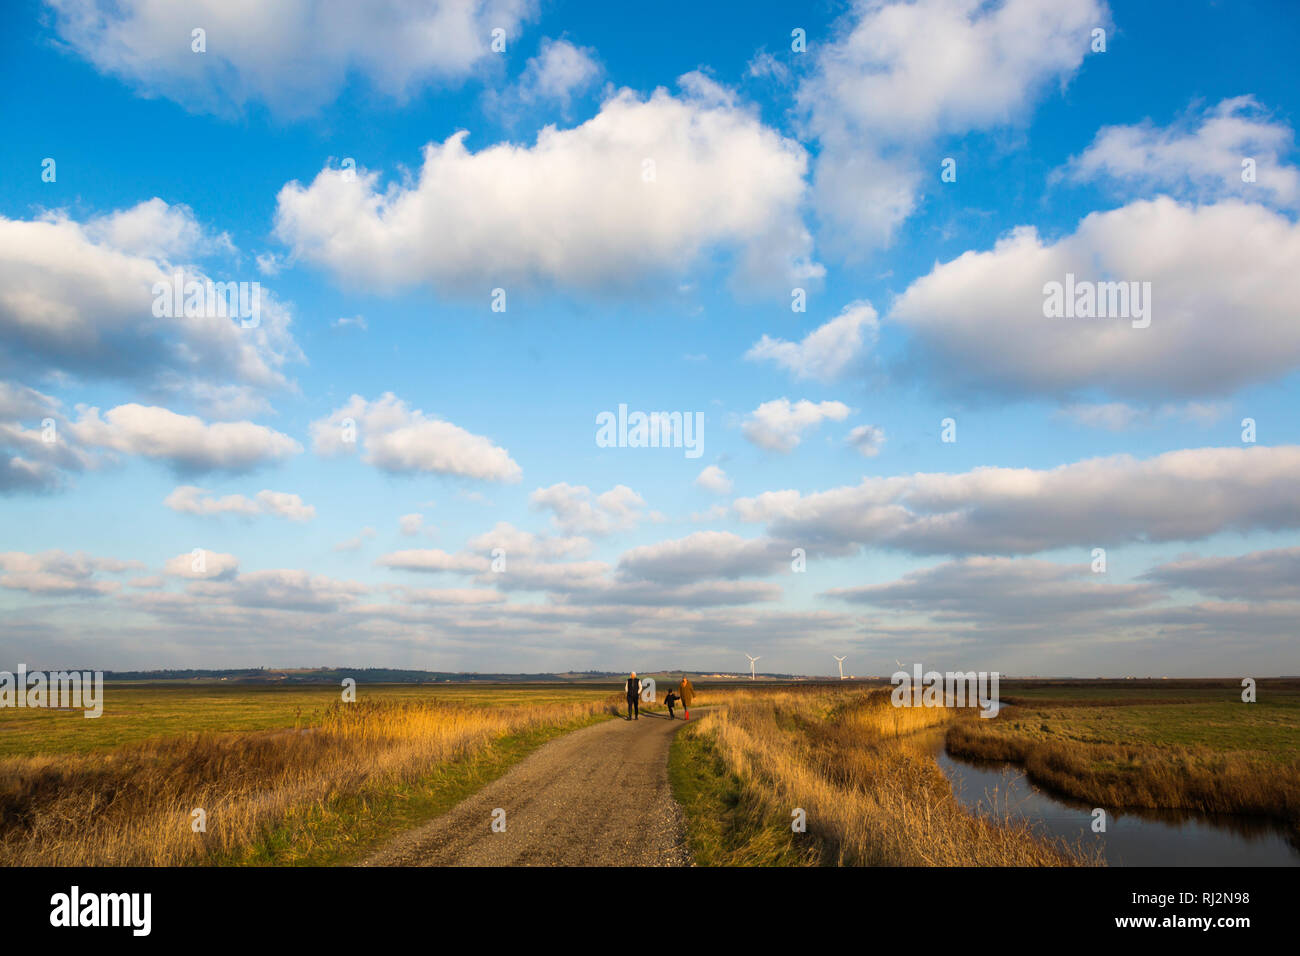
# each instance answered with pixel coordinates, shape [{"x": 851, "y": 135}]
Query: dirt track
[{"x": 595, "y": 797}]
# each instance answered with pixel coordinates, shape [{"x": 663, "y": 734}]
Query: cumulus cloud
[
  {"x": 578, "y": 207},
  {"x": 294, "y": 56},
  {"x": 1119, "y": 416},
  {"x": 575, "y": 510},
  {"x": 558, "y": 72},
  {"x": 1199, "y": 158},
  {"x": 433, "y": 560},
  {"x": 684, "y": 595},
  {"x": 867, "y": 439},
  {"x": 411, "y": 524},
  {"x": 516, "y": 542},
  {"x": 589, "y": 583},
  {"x": 400, "y": 440},
  {"x": 185, "y": 442},
  {"x": 449, "y": 596},
  {"x": 153, "y": 229},
  {"x": 702, "y": 556},
  {"x": 286, "y": 590},
  {"x": 202, "y": 565},
  {"x": 1259, "y": 576},
  {"x": 826, "y": 353},
  {"x": 777, "y": 425},
  {"x": 61, "y": 574},
  {"x": 78, "y": 299},
  {"x": 191, "y": 499},
  {"x": 902, "y": 74},
  {"x": 34, "y": 459},
  {"x": 1177, "y": 496},
  {"x": 714, "y": 479},
  {"x": 978, "y": 324},
  {"x": 1003, "y": 590}
]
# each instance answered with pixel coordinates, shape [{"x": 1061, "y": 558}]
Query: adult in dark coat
[{"x": 633, "y": 697}]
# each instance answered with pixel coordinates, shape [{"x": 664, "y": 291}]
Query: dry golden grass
[
  {"x": 871, "y": 798},
  {"x": 133, "y": 805}
]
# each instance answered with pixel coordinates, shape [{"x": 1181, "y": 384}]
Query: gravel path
[{"x": 596, "y": 797}]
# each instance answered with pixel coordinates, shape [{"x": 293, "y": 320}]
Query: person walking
[
  {"x": 670, "y": 700},
  {"x": 633, "y": 697},
  {"x": 687, "y": 694}
]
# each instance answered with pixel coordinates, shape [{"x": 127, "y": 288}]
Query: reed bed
[{"x": 871, "y": 798}]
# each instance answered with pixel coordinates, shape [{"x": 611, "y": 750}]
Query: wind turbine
[
  {"x": 840, "y": 661},
  {"x": 752, "y": 675}
]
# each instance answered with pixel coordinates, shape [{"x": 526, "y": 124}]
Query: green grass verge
[
  {"x": 1268, "y": 730},
  {"x": 348, "y": 828},
  {"x": 726, "y": 826}
]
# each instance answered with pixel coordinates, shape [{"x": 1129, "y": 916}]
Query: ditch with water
[{"x": 1133, "y": 837}]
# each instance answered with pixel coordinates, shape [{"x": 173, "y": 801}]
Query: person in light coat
[{"x": 687, "y": 693}]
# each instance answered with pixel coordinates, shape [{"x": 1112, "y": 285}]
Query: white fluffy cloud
[
  {"x": 60, "y": 573},
  {"x": 1002, "y": 590},
  {"x": 190, "y": 499},
  {"x": 903, "y": 73},
  {"x": 282, "y": 589},
  {"x": 702, "y": 556},
  {"x": 450, "y": 596},
  {"x": 185, "y": 442},
  {"x": 1199, "y": 161},
  {"x": 292, "y": 55},
  {"x": 777, "y": 425},
  {"x": 574, "y": 208},
  {"x": 516, "y": 542},
  {"x": 433, "y": 560},
  {"x": 714, "y": 479},
  {"x": 867, "y": 439},
  {"x": 33, "y": 459},
  {"x": 77, "y": 298},
  {"x": 559, "y": 70},
  {"x": 203, "y": 565},
  {"x": 826, "y": 353},
  {"x": 1177, "y": 496},
  {"x": 1223, "y": 290},
  {"x": 575, "y": 510},
  {"x": 398, "y": 439},
  {"x": 1118, "y": 416},
  {"x": 1258, "y": 576}
]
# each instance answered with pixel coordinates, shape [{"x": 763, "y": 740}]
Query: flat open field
[
  {"x": 283, "y": 774},
  {"x": 288, "y": 774},
  {"x": 137, "y": 712}
]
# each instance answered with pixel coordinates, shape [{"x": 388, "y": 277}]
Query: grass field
[
  {"x": 288, "y": 774},
  {"x": 285, "y": 775},
  {"x": 138, "y": 712}
]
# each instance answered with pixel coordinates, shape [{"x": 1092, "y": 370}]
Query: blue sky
[{"x": 649, "y": 193}]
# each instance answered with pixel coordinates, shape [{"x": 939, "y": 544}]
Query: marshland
[{"x": 293, "y": 775}]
